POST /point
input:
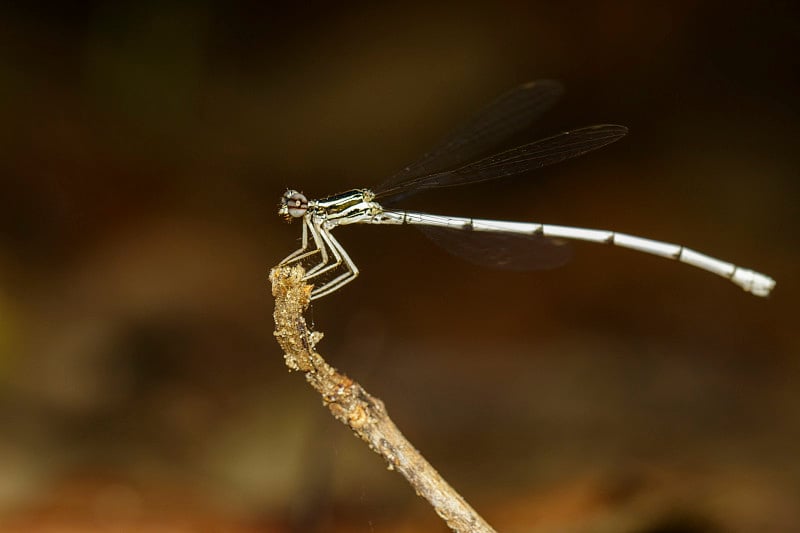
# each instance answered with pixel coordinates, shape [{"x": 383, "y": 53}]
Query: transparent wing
[
  {"x": 510, "y": 113},
  {"x": 514, "y": 161},
  {"x": 501, "y": 250}
]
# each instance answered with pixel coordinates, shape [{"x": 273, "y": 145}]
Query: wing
[
  {"x": 514, "y": 161},
  {"x": 501, "y": 250},
  {"x": 510, "y": 113}
]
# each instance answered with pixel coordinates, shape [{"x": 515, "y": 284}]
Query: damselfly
[{"x": 461, "y": 159}]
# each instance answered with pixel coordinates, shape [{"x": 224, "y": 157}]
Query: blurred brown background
[{"x": 143, "y": 150}]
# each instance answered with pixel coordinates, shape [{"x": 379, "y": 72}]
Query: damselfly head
[{"x": 293, "y": 205}]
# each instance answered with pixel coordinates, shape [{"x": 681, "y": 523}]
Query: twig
[{"x": 353, "y": 406}]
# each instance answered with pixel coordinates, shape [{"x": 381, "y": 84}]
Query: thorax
[{"x": 348, "y": 207}]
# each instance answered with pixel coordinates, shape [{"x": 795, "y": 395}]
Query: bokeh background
[{"x": 143, "y": 150}]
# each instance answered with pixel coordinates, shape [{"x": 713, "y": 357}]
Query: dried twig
[{"x": 353, "y": 406}]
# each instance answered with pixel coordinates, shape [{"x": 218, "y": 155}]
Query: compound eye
[{"x": 296, "y": 203}]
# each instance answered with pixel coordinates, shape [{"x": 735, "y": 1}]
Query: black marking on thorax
[{"x": 339, "y": 203}]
